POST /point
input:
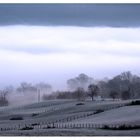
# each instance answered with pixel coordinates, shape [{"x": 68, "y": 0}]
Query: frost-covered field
[{"x": 69, "y": 118}]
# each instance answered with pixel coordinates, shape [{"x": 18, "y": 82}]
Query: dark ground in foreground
[{"x": 73, "y": 132}]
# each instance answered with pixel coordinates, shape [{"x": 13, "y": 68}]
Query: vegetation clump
[
  {"x": 122, "y": 127},
  {"x": 80, "y": 104},
  {"x": 16, "y": 118},
  {"x": 27, "y": 128},
  {"x": 99, "y": 111},
  {"x": 34, "y": 124},
  {"x": 137, "y": 102},
  {"x": 34, "y": 114}
]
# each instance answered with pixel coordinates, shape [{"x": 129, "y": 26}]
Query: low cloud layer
[{"x": 55, "y": 54}]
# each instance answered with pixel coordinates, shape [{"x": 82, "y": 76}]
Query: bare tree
[
  {"x": 26, "y": 87},
  {"x": 9, "y": 89},
  {"x": 44, "y": 88},
  {"x": 3, "y": 100}
]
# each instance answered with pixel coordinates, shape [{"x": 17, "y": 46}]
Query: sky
[{"x": 55, "y": 42}]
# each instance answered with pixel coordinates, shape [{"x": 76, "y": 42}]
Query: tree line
[
  {"x": 26, "y": 89},
  {"x": 123, "y": 86}
]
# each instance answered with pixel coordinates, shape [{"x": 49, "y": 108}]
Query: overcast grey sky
[
  {"x": 55, "y": 42},
  {"x": 117, "y": 15}
]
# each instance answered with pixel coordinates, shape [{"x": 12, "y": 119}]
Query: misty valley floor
[{"x": 71, "y": 118}]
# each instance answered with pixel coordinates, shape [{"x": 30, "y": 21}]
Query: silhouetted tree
[
  {"x": 81, "y": 81},
  {"x": 121, "y": 83},
  {"x": 45, "y": 88},
  {"x": 125, "y": 95},
  {"x": 9, "y": 89},
  {"x": 80, "y": 94},
  {"x": 3, "y": 99},
  {"x": 26, "y": 87},
  {"x": 93, "y": 90},
  {"x": 72, "y": 84},
  {"x": 114, "y": 95},
  {"x": 104, "y": 88}
]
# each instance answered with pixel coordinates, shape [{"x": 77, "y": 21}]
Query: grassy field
[{"x": 71, "y": 118}]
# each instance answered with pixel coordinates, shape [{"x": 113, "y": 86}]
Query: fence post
[
  {"x": 92, "y": 125},
  {"x": 80, "y": 125},
  {"x": 77, "y": 125},
  {"x": 71, "y": 125},
  {"x": 117, "y": 126},
  {"x": 102, "y": 125},
  {"x": 54, "y": 125},
  {"x": 60, "y": 125},
  {"x": 95, "y": 125},
  {"x": 63, "y": 125},
  {"x": 98, "y": 126},
  {"x": 83, "y": 125},
  {"x": 89, "y": 125},
  {"x": 86, "y": 125},
  {"x": 19, "y": 127},
  {"x": 41, "y": 125},
  {"x": 57, "y": 125},
  {"x": 111, "y": 126}
]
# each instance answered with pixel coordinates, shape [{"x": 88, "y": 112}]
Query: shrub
[
  {"x": 106, "y": 127},
  {"x": 121, "y": 127},
  {"x": 34, "y": 124},
  {"x": 27, "y": 128},
  {"x": 16, "y": 118},
  {"x": 99, "y": 111},
  {"x": 34, "y": 114},
  {"x": 49, "y": 127},
  {"x": 137, "y": 102},
  {"x": 125, "y": 95},
  {"x": 114, "y": 95},
  {"x": 3, "y": 101},
  {"x": 80, "y": 104}
]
